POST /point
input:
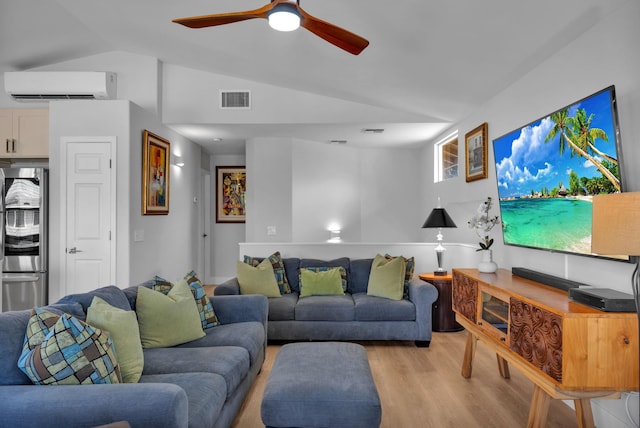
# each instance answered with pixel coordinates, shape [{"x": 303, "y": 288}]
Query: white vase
[{"x": 487, "y": 265}]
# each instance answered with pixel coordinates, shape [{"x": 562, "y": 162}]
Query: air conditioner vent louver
[
  {"x": 235, "y": 99},
  {"x": 31, "y": 97}
]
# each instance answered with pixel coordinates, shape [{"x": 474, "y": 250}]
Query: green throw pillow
[
  {"x": 278, "y": 270},
  {"x": 321, "y": 283},
  {"x": 387, "y": 277},
  {"x": 122, "y": 326},
  {"x": 167, "y": 320},
  {"x": 257, "y": 280}
]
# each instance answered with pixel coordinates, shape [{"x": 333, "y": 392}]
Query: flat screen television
[{"x": 548, "y": 170}]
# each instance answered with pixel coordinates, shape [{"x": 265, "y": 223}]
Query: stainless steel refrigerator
[{"x": 23, "y": 215}]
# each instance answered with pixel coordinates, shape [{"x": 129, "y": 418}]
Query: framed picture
[
  {"x": 231, "y": 185},
  {"x": 475, "y": 145},
  {"x": 156, "y": 152}
]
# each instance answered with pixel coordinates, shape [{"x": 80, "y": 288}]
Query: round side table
[{"x": 443, "y": 318}]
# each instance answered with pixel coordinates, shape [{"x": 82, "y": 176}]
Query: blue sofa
[
  {"x": 200, "y": 384},
  {"x": 353, "y": 316}
]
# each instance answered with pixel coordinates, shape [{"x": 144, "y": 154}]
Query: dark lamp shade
[{"x": 438, "y": 218}]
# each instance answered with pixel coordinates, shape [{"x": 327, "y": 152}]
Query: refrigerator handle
[{"x": 19, "y": 278}]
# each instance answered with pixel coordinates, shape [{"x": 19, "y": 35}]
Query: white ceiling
[{"x": 439, "y": 60}]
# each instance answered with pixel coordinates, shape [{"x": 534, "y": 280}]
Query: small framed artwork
[
  {"x": 231, "y": 185},
  {"x": 156, "y": 152},
  {"x": 475, "y": 145}
]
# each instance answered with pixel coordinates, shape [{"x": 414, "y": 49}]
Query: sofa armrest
[
  {"x": 160, "y": 405},
  {"x": 230, "y": 286},
  {"x": 423, "y": 295},
  {"x": 248, "y": 307}
]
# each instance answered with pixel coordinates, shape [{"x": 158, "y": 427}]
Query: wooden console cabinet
[{"x": 568, "y": 350}]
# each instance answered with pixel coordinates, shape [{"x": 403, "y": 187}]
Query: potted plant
[{"x": 482, "y": 222}]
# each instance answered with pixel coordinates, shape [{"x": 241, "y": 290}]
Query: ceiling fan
[{"x": 284, "y": 15}]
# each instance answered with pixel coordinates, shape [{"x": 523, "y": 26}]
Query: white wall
[
  {"x": 170, "y": 242},
  {"x": 606, "y": 54}
]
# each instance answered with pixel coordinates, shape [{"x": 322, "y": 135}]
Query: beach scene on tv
[{"x": 548, "y": 172}]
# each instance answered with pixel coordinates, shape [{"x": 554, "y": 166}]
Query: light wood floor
[{"x": 422, "y": 387}]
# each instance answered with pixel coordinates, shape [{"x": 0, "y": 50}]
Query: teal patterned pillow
[
  {"x": 278, "y": 270},
  {"x": 71, "y": 353},
  {"x": 343, "y": 273},
  {"x": 162, "y": 285},
  {"x": 39, "y": 325},
  {"x": 410, "y": 264},
  {"x": 207, "y": 315}
]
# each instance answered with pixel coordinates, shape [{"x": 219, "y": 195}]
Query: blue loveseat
[
  {"x": 352, "y": 316},
  {"x": 200, "y": 384}
]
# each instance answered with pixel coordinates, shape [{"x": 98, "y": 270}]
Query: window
[{"x": 446, "y": 158}]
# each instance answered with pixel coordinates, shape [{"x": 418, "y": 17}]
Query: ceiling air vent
[
  {"x": 372, "y": 130},
  {"x": 235, "y": 99}
]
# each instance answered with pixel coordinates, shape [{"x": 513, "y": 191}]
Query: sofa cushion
[
  {"x": 279, "y": 271},
  {"x": 291, "y": 268},
  {"x": 359, "y": 275},
  {"x": 257, "y": 280},
  {"x": 322, "y": 281},
  {"x": 122, "y": 326},
  {"x": 110, "y": 294},
  {"x": 71, "y": 353},
  {"x": 372, "y": 308},
  {"x": 283, "y": 309},
  {"x": 249, "y": 335},
  {"x": 13, "y": 325},
  {"x": 325, "y": 308},
  {"x": 230, "y": 362},
  {"x": 206, "y": 394},
  {"x": 387, "y": 277},
  {"x": 167, "y": 320}
]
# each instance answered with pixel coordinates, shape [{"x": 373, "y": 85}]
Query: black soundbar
[{"x": 554, "y": 281}]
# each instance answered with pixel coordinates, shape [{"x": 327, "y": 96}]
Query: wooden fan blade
[
  {"x": 225, "y": 18},
  {"x": 335, "y": 35}
]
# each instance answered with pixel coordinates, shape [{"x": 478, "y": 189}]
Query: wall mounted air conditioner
[{"x": 60, "y": 85}]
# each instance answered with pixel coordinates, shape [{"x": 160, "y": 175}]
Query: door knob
[{"x": 73, "y": 250}]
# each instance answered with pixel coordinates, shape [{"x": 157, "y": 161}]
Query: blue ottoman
[{"x": 321, "y": 385}]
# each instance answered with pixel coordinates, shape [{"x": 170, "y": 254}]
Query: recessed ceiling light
[
  {"x": 217, "y": 139},
  {"x": 372, "y": 130}
]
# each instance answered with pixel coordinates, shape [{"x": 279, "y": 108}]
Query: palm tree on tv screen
[{"x": 576, "y": 133}]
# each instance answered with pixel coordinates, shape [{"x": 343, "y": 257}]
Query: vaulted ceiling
[{"x": 439, "y": 60}]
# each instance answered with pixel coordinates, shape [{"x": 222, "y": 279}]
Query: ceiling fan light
[{"x": 284, "y": 20}]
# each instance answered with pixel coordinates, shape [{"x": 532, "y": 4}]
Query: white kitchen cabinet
[{"x": 24, "y": 133}]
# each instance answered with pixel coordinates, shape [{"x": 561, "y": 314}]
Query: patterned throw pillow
[
  {"x": 39, "y": 325},
  {"x": 343, "y": 273},
  {"x": 278, "y": 270},
  {"x": 162, "y": 285},
  {"x": 207, "y": 315},
  {"x": 410, "y": 264},
  {"x": 71, "y": 353}
]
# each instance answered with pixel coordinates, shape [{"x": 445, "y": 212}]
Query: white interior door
[{"x": 89, "y": 215}]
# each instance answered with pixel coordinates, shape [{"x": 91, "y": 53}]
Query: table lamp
[
  {"x": 439, "y": 218},
  {"x": 616, "y": 229}
]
